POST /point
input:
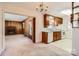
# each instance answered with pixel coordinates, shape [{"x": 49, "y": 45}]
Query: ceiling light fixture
[{"x": 42, "y": 8}]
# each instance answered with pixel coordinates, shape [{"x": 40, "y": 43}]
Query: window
[
  {"x": 75, "y": 15},
  {"x": 76, "y": 21}
]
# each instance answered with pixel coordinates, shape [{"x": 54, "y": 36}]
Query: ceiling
[
  {"x": 14, "y": 17},
  {"x": 54, "y": 7}
]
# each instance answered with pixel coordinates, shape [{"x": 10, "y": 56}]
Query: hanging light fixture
[{"x": 42, "y": 8}]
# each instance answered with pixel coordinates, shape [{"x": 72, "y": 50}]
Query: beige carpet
[{"x": 18, "y": 45}]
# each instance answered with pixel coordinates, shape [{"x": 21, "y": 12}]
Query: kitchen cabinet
[
  {"x": 56, "y": 36},
  {"x": 46, "y": 22},
  {"x": 58, "y": 21},
  {"x": 50, "y": 19},
  {"x": 48, "y": 37},
  {"x": 44, "y": 37}
]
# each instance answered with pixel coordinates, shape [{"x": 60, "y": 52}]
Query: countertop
[{"x": 50, "y": 30}]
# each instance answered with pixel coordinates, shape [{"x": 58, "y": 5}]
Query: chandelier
[{"x": 42, "y": 8}]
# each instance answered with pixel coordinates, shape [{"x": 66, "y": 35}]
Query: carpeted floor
[{"x": 18, "y": 45}]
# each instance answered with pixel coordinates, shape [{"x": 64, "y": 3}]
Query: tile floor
[{"x": 65, "y": 44}]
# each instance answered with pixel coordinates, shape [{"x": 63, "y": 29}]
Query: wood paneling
[{"x": 13, "y": 24}]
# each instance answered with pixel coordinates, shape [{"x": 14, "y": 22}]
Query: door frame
[{"x": 34, "y": 29}]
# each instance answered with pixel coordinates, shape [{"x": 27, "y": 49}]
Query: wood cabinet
[
  {"x": 54, "y": 19},
  {"x": 56, "y": 35},
  {"x": 46, "y": 22},
  {"x": 58, "y": 21},
  {"x": 44, "y": 37}
]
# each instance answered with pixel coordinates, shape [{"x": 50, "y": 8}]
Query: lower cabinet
[
  {"x": 45, "y": 37},
  {"x": 56, "y": 35}
]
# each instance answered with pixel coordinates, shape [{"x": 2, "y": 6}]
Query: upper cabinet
[
  {"x": 46, "y": 22},
  {"x": 58, "y": 21},
  {"x": 52, "y": 20}
]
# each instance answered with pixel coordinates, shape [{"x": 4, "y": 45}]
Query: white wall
[
  {"x": 75, "y": 41},
  {"x": 66, "y": 24},
  {"x": 1, "y": 29},
  {"x": 75, "y": 37},
  {"x": 65, "y": 27}
]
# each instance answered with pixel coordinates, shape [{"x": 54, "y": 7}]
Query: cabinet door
[
  {"x": 44, "y": 37},
  {"x": 56, "y": 36},
  {"x": 58, "y": 21},
  {"x": 46, "y": 22}
]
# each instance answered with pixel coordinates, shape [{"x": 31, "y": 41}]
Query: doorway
[{"x": 19, "y": 27}]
